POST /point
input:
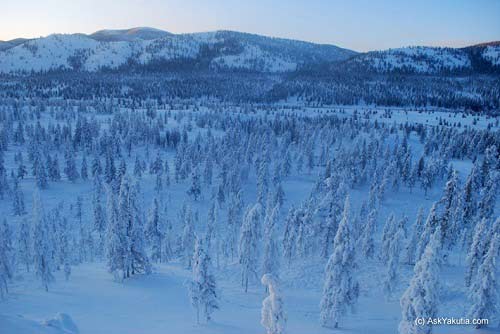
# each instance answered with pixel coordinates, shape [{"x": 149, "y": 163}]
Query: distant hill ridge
[{"x": 229, "y": 51}]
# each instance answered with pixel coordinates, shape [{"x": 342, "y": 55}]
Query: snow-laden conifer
[
  {"x": 202, "y": 287},
  {"x": 273, "y": 316},
  {"x": 420, "y": 300},
  {"x": 340, "y": 290}
]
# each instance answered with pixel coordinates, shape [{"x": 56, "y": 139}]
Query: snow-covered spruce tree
[
  {"x": 287, "y": 164},
  {"x": 195, "y": 188},
  {"x": 70, "y": 168},
  {"x": 53, "y": 169},
  {"x": 157, "y": 165},
  {"x": 488, "y": 195},
  {"x": 57, "y": 228},
  {"x": 276, "y": 174},
  {"x": 17, "y": 199},
  {"x": 188, "y": 238},
  {"x": 367, "y": 242},
  {"x": 126, "y": 255},
  {"x": 4, "y": 185},
  {"x": 391, "y": 277},
  {"x": 465, "y": 211},
  {"x": 42, "y": 249},
  {"x": 495, "y": 229},
  {"x": 412, "y": 178},
  {"x": 98, "y": 214},
  {"x": 431, "y": 223},
  {"x": 279, "y": 195},
  {"x": 476, "y": 251},
  {"x": 360, "y": 219},
  {"x": 137, "y": 167},
  {"x": 387, "y": 234},
  {"x": 158, "y": 183},
  {"x": 248, "y": 244},
  {"x": 84, "y": 244},
  {"x": 154, "y": 233},
  {"x": 483, "y": 291},
  {"x": 449, "y": 202},
  {"x": 407, "y": 171},
  {"x": 387, "y": 176},
  {"x": 221, "y": 198},
  {"x": 84, "y": 171},
  {"x": 411, "y": 247},
  {"x": 273, "y": 316},
  {"x": 426, "y": 178},
  {"x": 373, "y": 202},
  {"x": 208, "y": 170},
  {"x": 6, "y": 258},
  {"x": 263, "y": 179},
  {"x": 167, "y": 252},
  {"x": 115, "y": 238},
  {"x": 420, "y": 300},
  {"x": 39, "y": 172},
  {"x": 341, "y": 290},
  {"x": 290, "y": 234},
  {"x": 24, "y": 244},
  {"x": 21, "y": 171},
  {"x": 403, "y": 223},
  {"x": 302, "y": 241},
  {"x": 131, "y": 214},
  {"x": 202, "y": 288},
  {"x": 334, "y": 201},
  {"x": 109, "y": 168},
  {"x": 64, "y": 247},
  {"x": 233, "y": 218},
  {"x": 120, "y": 173},
  {"x": 211, "y": 233},
  {"x": 270, "y": 263},
  {"x": 167, "y": 173}
]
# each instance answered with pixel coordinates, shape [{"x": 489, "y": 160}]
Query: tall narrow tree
[
  {"x": 420, "y": 299},
  {"x": 341, "y": 290},
  {"x": 202, "y": 288}
]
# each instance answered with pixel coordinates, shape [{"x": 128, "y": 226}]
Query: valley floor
[{"x": 159, "y": 303}]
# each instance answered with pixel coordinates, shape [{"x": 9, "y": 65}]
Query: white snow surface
[{"x": 61, "y": 323}]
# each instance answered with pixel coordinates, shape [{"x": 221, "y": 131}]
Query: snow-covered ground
[{"x": 159, "y": 303}]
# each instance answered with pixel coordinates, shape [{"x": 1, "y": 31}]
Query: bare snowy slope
[{"x": 4, "y": 45}]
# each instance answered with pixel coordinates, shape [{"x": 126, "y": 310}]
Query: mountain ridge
[
  {"x": 136, "y": 33},
  {"x": 226, "y": 50},
  {"x": 221, "y": 50}
]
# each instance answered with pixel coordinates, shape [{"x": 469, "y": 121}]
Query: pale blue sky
[{"x": 357, "y": 24}]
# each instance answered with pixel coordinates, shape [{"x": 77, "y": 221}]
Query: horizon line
[{"x": 451, "y": 45}]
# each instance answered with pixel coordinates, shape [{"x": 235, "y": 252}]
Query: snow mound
[
  {"x": 63, "y": 322},
  {"x": 60, "y": 324}
]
